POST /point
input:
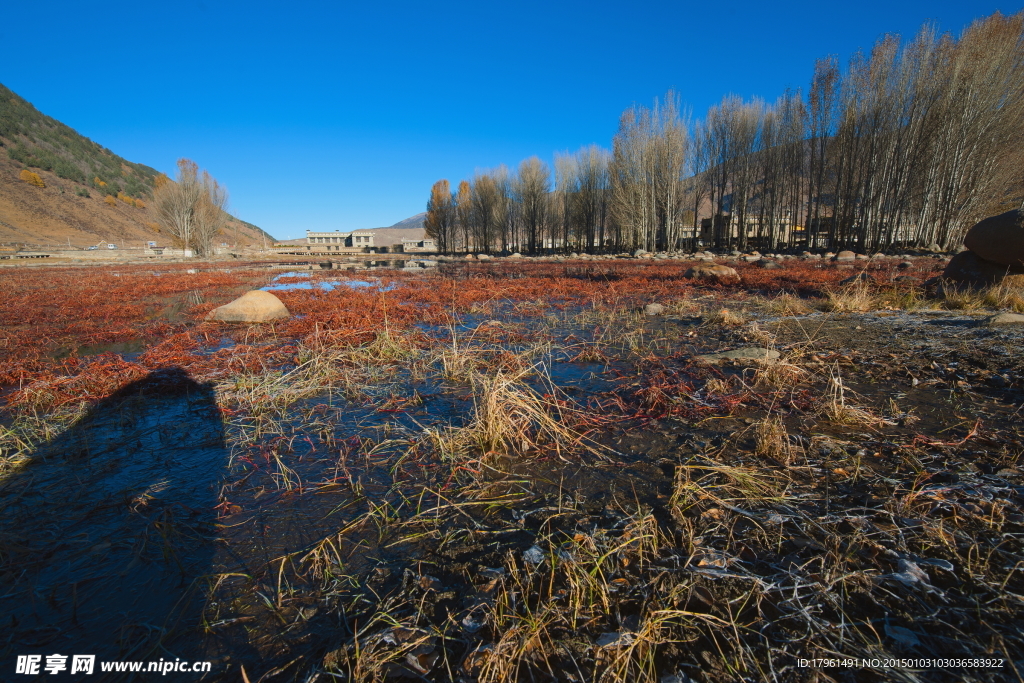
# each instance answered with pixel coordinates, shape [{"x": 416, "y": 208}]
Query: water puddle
[
  {"x": 324, "y": 285},
  {"x": 129, "y": 350}
]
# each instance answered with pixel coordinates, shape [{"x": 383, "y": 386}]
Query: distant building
[
  {"x": 357, "y": 240},
  {"x": 414, "y": 245},
  {"x": 727, "y": 228}
]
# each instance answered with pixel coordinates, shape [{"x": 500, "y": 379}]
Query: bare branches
[
  {"x": 191, "y": 208},
  {"x": 907, "y": 147},
  {"x": 440, "y": 222}
]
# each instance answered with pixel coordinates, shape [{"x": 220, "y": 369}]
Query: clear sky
[{"x": 340, "y": 115}]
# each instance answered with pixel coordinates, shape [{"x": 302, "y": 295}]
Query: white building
[
  {"x": 413, "y": 245},
  {"x": 339, "y": 241}
]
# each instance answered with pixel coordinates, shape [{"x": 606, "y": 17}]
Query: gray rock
[
  {"x": 654, "y": 309},
  {"x": 859, "y": 277},
  {"x": 747, "y": 353},
  {"x": 768, "y": 263},
  {"x": 1004, "y": 318},
  {"x": 639, "y": 252}
]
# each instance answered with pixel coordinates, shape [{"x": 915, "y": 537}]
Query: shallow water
[{"x": 324, "y": 285}]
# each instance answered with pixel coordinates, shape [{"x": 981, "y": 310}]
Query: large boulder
[
  {"x": 715, "y": 273},
  {"x": 999, "y": 239},
  {"x": 970, "y": 270},
  {"x": 256, "y": 306}
]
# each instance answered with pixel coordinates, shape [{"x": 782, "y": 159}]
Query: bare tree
[
  {"x": 191, "y": 208},
  {"x": 648, "y": 161},
  {"x": 909, "y": 145},
  {"x": 464, "y": 215},
  {"x": 210, "y": 214},
  {"x": 484, "y": 215},
  {"x": 440, "y": 222},
  {"x": 175, "y": 202},
  {"x": 531, "y": 189}
]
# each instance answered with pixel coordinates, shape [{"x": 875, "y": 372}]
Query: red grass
[{"x": 53, "y": 309}]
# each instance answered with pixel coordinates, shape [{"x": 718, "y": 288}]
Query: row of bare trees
[
  {"x": 909, "y": 145},
  {"x": 191, "y": 208}
]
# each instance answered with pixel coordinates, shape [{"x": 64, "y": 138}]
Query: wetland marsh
[{"x": 506, "y": 471}]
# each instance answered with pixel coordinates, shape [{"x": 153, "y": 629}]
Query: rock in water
[
  {"x": 971, "y": 270},
  {"x": 999, "y": 239},
  {"x": 717, "y": 273},
  {"x": 256, "y": 306}
]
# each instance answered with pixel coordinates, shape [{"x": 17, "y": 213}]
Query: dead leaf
[{"x": 712, "y": 558}]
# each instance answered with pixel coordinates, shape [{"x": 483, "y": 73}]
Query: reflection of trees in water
[{"x": 106, "y": 531}]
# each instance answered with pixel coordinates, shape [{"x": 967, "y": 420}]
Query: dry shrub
[
  {"x": 957, "y": 298},
  {"x": 903, "y": 299},
  {"x": 717, "y": 385},
  {"x": 1001, "y": 296},
  {"x": 32, "y": 178},
  {"x": 787, "y": 304},
  {"x": 836, "y": 409},
  {"x": 727, "y": 316},
  {"x": 771, "y": 439},
  {"x": 855, "y": 297},
  {"x": 779, "y": 375},
  {"x": 761, "y": 336},
  {"x": 510, "y": 417},
  {"x": 1004, "y": 297}
]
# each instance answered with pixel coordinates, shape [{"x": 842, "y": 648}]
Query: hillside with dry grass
[{"x": 57, "y": 187}]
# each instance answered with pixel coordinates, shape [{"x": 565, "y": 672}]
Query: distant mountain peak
[{"x": 411, "y": 222}]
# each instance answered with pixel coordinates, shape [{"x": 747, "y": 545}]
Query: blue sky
[{"x": 329, "y": 115}]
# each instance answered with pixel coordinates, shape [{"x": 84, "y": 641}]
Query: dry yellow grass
[
  {"x": 727, "y": 316},
  {"x": 856, "y": 297}
]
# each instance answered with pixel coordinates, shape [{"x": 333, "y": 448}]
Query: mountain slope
[
  {"x": 83, "y": 193},
  {"x": 411, "y": 222}
]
